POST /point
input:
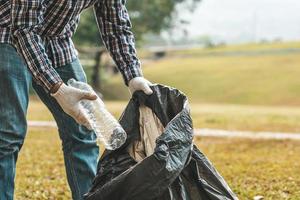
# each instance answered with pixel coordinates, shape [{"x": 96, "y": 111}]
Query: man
[{"x": 36, "y": 35}]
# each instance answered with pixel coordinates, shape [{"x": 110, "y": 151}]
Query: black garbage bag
[{"x": 176, "y": 170}]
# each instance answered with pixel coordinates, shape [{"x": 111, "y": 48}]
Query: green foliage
[
  {"x": 152, "y": 16},
  {"x": 87, "y": 33},
  {"x": 147, "y": 16}
]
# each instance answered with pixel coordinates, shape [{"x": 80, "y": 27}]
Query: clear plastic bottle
[{"x": 106, "y": 127}]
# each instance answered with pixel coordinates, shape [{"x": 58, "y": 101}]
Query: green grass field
[
  {"x": 268, "y": 168},
  {"x": 256, "y": 93},
  {"x": 252, "y": 80},
  {"x": 220, "y": 116},
  {"x": 225, "y": 49}
]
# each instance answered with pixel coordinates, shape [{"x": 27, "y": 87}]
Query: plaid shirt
[{"x": 41, "y": 31}]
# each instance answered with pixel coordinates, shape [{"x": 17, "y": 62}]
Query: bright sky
[{"x": 246, "y": 20}]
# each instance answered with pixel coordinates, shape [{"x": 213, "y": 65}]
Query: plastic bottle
[{"x": 106, "y": 127}]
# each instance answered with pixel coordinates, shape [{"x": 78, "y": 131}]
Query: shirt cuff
[
  {"x": 48, "y": 79},
  {"x": 131, "y": 72}
]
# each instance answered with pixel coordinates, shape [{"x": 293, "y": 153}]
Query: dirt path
[
  {"x": 209, "y": 132},
  {"x": 246, "y": 134}
]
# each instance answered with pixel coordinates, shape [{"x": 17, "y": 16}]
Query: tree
[
  {"x": 147, "y": 16},
  {"x": 87, "y": 33}
]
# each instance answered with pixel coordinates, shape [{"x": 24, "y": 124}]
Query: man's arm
[
  {"x": 26, "y": 16},
  {"x": 115, "y": 27}
]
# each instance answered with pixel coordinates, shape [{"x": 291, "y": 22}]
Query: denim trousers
[{"x": 78, "y": 143}]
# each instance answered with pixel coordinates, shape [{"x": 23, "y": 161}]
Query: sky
[{"x": 245, "y": 20}]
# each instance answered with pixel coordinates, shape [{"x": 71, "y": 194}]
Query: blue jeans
[{"x": 79, "y": 147}]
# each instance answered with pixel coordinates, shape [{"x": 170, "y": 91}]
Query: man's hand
[
  {"x": 68, "y": 98},
  {"x": 140, "y": 83}
]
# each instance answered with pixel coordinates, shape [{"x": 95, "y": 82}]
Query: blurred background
[{"x": 239, "y": 64}]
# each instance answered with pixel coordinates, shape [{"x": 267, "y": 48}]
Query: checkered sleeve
[
  {"x": 26, "y": 16},
  {"x": 115, "y": 27}
]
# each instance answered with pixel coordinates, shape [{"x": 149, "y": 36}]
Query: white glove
[
  {"x": 140, "y": 83},
  {"x": 68, "y": 98}
]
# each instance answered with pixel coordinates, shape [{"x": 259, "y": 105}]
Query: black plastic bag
[{"x": 177, "y": 170}]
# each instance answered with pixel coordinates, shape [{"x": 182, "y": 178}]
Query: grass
[
  {"x": 268, "y": 168},
  {"x": 248, "y": 80},
  {"x": 40, "y": 167},
  {"x": 251, "y": 47},
  {"x": 220, "y": 116},
  {"x": 258, "y": 93},
  {"x": 241, "y": 117}
]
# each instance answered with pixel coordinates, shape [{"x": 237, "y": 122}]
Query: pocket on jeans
[
  {"x": 11, "y": 64},
  {"x": 72, "y": 70}
]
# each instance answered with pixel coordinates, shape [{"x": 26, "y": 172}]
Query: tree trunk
[{"x": 96, "y": 77}]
